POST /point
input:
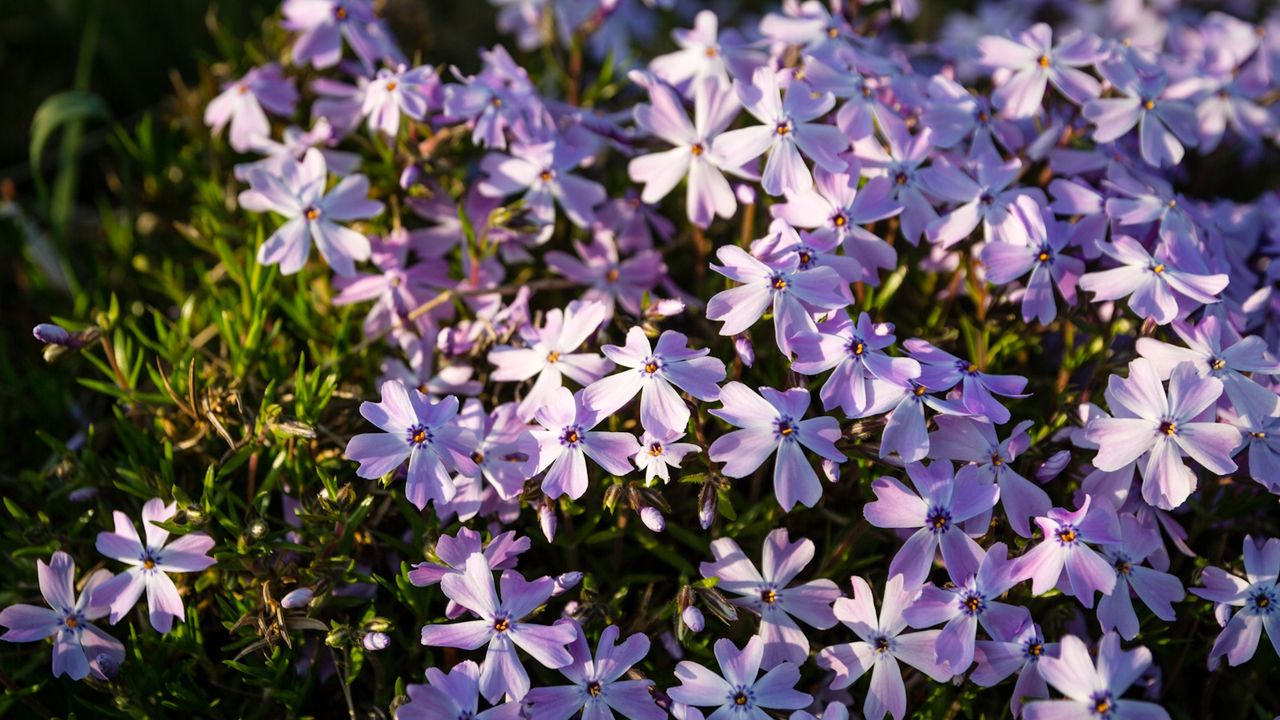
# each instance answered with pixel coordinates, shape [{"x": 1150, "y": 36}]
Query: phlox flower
[
  {"x": 506, "y": 453},
  {"x": 707, "y": 192},
  {"x": 787, "y": 131},
  {"x": 655, "y": 373},
  {"x": 766, "y": 593},
  {"x": 416, "y": 429},
  {"x": 1042, "y": 256},
  {"x": 705, "y": 52},
  {"x": 944, "y": 501},
  {"x": 499, "y": 100},
  {"x": 999, "y": 658},
  {"x": 773, "y": 423},
  {"x": 1094, "y": 692},
  {"x": 549, "y": 353},
  {"x": 901, "y": 161},
  {"x": 609, "y": 279},
  {"x": 244, "y": 103},
  {"x": 151, "y": 561},
  {"x": 905, "y": 397},
  {"x": 1155, "y": 285},
  {"x": 541, "y": 172},
  {"x": 1157, "y": 590},
  {"x": 293, "y": 144},
  {"x": 1067, "y": 535},
  {"x": 659, "y": 453},
  {"x": 500, "y": 626},
  {"x": 453, "y": 696},
  {"x": 567, "y": 440},
  {"x": 978, "y": 388},
  {"x": 1257, "y": 595},
  {"x": 1165, "y": 124},
  {"x": 785, "y": 289},
  {"x": 986, "y": 200},
  {"x": 854, "y": 354},
  {"x": 393, "y": 93},
  {"x": 399, "y": 287},
  {"x": 501, "y": 552},
  {"x": 967, "y": 439},
  {"x": 322, "y": 25},
  {"x": 1164, "y": 426},
  {"x": 1036, "y": 61},
  {"x": 79, "y": 647},
  {"x": 881, "y": 645},
  {"x": 597, "y": 688},
  {"x": 737, "y": 690},
  {"x": 298, "y": 193}
]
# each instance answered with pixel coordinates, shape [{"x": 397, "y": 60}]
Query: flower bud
[
  {"x": 375, "y": 641},
  {"x": 547, "y": 519},
  {"x": 745, "y": 350},
  {"x": 51, "y": 334},
  {"x": 1049, "y": 469},
  {"x": 298, "y": 598},
  {"x": 708, "y": 506},
  {"x": 653, "y": 519},
  {"x": 692, "y": 619},
  {"x": 566, "y": 582}
]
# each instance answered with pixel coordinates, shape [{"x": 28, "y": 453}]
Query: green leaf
[{"x": 56, "y": 111}]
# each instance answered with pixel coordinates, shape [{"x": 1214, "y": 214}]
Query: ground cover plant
[{"x": 641, "y": 358}]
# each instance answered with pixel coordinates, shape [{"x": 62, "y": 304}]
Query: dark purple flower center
[
  {"x": 972, "y": 603},
  {"x": 806, "y": 257},
  {"x": 839, "y": 220},
  {"x": 986, "y": 198},
  {"x": 741, "y": 696},
  {"x": 419, "y": 434},
  {"x": 938, "y": 520},
  {"x": 786, "y": 428},
  {"x": 612, "y": 275},
  {"x": 501, "y": 625},
  {"x": 340, "y": 12},
  {"x": 652, "y": 364},
  {"x": 778, "y": 282},
  {"x": 1263, "y": 602},
  {"x": 1067, "y": 534},
  {"x": 546, "y": 175},
  {"x": 655, "y": 448},
  {"x": 571, "y": 436},
  {"x": 1103, "y": 706},
  {"x": 1217, "y": 363},
  {"x": 783, "y": 128},
  {"x": 1034, "y": 650},
  {"x": 857, "y": 347},
  {"x": 881, "y": 644},
  {"x": 1169, "y": 427},
  {"x": 477, "y": 457},
  {"x": 1046, "y": 254},
  {"x": 1123, "y": 566},
  {"x": 768, "y": 596},
  {"x": 312, "y": 212}
]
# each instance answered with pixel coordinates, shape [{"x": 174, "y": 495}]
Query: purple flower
[
  {"x": 453, "y": 696},
  {"x": 1218, "y": 351},
  {"x": 880, "y": 645},
  {"x": 1064, "y": 546},
  {"x": 323, "y": 24},
  {"x": 653, "y": 373},
  {"x": 610, "y": 280},
  {"x": 978, "y": 388},
  {"x": 657, "y": 453},
  {"x": 905, "y": 398},
  {"x": 1154, "y": 284},
  {"x": 244, "y": 104},
  {"x": 1164, "y": 427},
  {"x": 737, "y": 690},
  {"x": 506, "y": 453},
  {"x": 597, "y": 690},
  {"x": 399, "y": 287},
  {"x": 786, "y": 290},
  {"x": 967, "y": 439},
  {"x": 768, "y": 596},
  {"x": 835, "y": 209},
  {"x": 416, "y": 429},
  {"x": 1035, "y": 61},
  {"x": 79, "y": 647},
  {"x": 501, "y": 552},
  {"x": 541, "y": 172},
  {"x": 150, "y": 562},
  {"x": 500, "y": 626},
  {"x": 1164, "y": 124},
  {"x": 853, "y": 353},
  {"x": 500, "y": 99},
  {"x": 970, "y": 600},
  {"x": 998, "y": 659},
  {"x": 705, "y": 53},
  {"x": 567, "y": 440},
  {"x": 707, "y": 192},
  {"x": 774, "y": 423},
  {"x": 1094, "y": 692},
  {"x": 298, "y": 194},
  {"x": 1157, "y": 590},
  {"x": 549, "y": 354},
  {"x": 901, "y": 164},
  {"x": 1041, "y": 255},
  {"x": 1257, "y": 595},
  {"x": 988, "y": 201},
  {"x": 944, "y": 501},
  {"x": 786, "y": 132},
  {"x": 392, "y": 93},
  {"x": 294, "y": 144}
]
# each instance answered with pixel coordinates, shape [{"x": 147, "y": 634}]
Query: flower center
[
  {"x": 72, "y": 622},
  {"x": 501, "y": 625},
  {"x": 740, "y": 697},
  {"x": 901, "y": 178},
  {"x": 697, "y": 149},
  {"x": 972, "y": 603},
  {"x": 709, "y": 52},
  {"x": 651, "y": 366},
  {"x": 553, "y": 357},
  {"x": 1217, "y": 363},
  {"x": 768, "y": 596},
  {"x": 996, "y": 459},
  {"x": 1159, "y": 268},
  {"x": 571, "y": 436},
  {"x": 783, "y": 128},
  {"x": 1122, "y": 566},
  {"x": 805, "y": 258},
  {"x": 920, "y": 390},
  {"x": 312, "y": 213},
  {"x": 496, "y": 102},
  {"x": 986, "y": 198},
  {"x": 779, "y": 282},
  {"x": 839, "y": 220},
  {"x": 546, "y": 175},
  {"x": 833, "y": 33},
  {"x": 881, "y": 644},
  {"x": 971, "y": 368},
  {"x": 1263, "y": 602},
  {"x": 612, "y": 275},
  {"x": 149, "y": 564},
  {"x": 515, "y": 457},
  {"x": 1035, "y": 649},
  {"x": 655, "y": 448},
  {"x": 857, "y": 348},
  {"x": 477, "y": 457},
  {"x": 391, "y": 85},
  {"x": 1043, "y": 61},
  {"x": 340, "y": 13},
  {"x": 1102, "y": 704},
  {"x": 785, "y": 428},
  {"x": 594, "y": 689},
  {"x": 1149, "y": 105},
  {"x": 938, "y": 519},
  {"x": 419, "y": 434},
  {"x": 1257, "y": 434},
  {"x": 1043, "y": 256},
  {"x": 1169, "y": 427},
  {"x": 1067, "y": 534}
]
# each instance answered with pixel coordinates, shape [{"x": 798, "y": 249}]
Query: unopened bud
[
  {"x": 692, "y": 619},
  {"x": 653, "y": 519}
]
